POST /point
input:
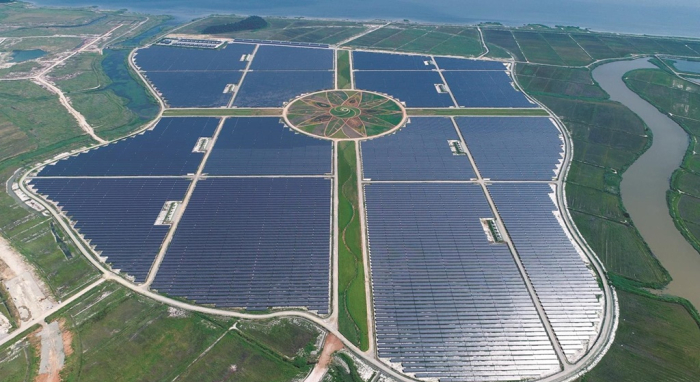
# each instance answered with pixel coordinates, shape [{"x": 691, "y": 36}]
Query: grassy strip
[
  {"x": 352, "y": 320},
  {"x": 479, "y": 112},
  {"x": 222, "y": 112},
  {"x": 344, "y": 77}
]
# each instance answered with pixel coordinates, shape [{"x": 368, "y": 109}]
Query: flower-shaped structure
[{"x": 345, "y": 114}]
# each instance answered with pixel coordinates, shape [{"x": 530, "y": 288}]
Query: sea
[{"x": 651, "y": 17}]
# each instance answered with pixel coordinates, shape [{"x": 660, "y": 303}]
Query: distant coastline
[{"x": 614, "y": 16}]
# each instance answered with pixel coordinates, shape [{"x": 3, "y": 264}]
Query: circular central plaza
[{"x": 345, "y": 114}]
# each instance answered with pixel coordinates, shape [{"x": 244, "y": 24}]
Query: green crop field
[{"x": 352, "y": 318}]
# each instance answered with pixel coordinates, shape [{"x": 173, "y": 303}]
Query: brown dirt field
[
  {"x": 67, "y": 338},
  {"x": 330, "y": 346}
]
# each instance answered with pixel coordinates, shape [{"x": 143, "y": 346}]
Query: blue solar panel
[
  {"x": 272, "y": 89},
  {"x": 386, "y": 61},
  {"x": 271, "y": 57},
  {"x": 564, "y": 284},
  {"x": 194, "y": 89},
  {"x": 419, "y": 151},
  {"x": 513, "y": 148},
  {"x": 449, "y": 63},
  {"x": 448, "y": 304},
  {"x": 164, "y": 58},
  {"x": 165, "y": 150},
  {"x": 415, "y": 88},
  {"x": 255, "y": 243},
  {"x": 263, "y": 146},
  {"x": 485, "y": 89},
  {"x": 117, "y": 216}
]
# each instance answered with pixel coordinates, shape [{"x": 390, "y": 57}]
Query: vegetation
[
  {"x": 286, "y": 336},
  {"x": 680, "y": 99},
  {"x": 432, "y": 39},
  {"x": 285, "y": 29},
  {"x": 352, "y": 318},
  {"x": 343, "y": 73},
  {"x": 343, "y": 369},
  {"x": 248, "y": 24},
  {"x": 19, "y": 362},
  {"x": 120, "y": 336}
]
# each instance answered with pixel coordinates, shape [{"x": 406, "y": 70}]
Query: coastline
[{"x": 187, "y": 13}]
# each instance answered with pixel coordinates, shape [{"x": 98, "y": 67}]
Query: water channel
[{"x": 645, "y": 183}]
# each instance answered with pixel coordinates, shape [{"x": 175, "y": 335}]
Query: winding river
[{"x": 645, "y": 183}]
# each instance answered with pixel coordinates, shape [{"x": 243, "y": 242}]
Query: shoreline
[{"x": 186, "y": 15}]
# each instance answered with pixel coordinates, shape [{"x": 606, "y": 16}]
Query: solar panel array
[
  {"x": 254, "y": 243},
  {"x": 273, "y": 89},
  {"x": 414, "y": 88},
  {"x": 117, "y": 216},
  {"x": 263, "y": 146},
  {"x": 448, "y": 304},
  {"x": 280, "y": 73},
  {"x": 419, "y": 151},
  {"x": 485, "y": 89},
  {"x": 165, "y": 150},
  {"x": 450, "y": 63},
  {"x": 513, "y": 148},
  {"x": 385, "y": 61},
  {"x": 174, "y": 59},
  {"x": 187, "y": 77},
  {"x": 567, "y": 289}
]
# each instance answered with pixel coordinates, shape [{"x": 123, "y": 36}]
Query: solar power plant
[
  {"x": 117, "y": 216},
  {"x": 474, "y": 88},
  {"x": 567, "y": 289},
  {"x": 449, "y": 63},
  {"x": 275, "y": 42},
  {"x": 263, "y": 146},
  {"x": 274, "y": 88},
  {"x": 385, "y": 61},
  {"x": 514, "y": 148},
  {"x": 272, "y": 57},
  {"x": 253, "y": 243},
  {"x": 165, "y": 150},
  {"x": 414, "y": 88},
  {"x": 448, "y": 304},
  {"x": 174, "y": 59},
  {"x": 194, "y": 89},
  {"x": 419, "y": 151}
]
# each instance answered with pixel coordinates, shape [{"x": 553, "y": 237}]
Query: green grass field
[
  {"x": 286, "y": 336},
  {"x": 19, "y": 363},
  {"x": 120, "y": 336},
  {"x": 344, "y": 77},
  {"x": 352, "y": 318},
  {"x": 430, "y": 39}
]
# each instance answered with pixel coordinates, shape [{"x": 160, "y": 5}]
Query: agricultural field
[{"x": 422, "y": 39}]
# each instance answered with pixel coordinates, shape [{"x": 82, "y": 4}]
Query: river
[{"x": 645, "y": 183}]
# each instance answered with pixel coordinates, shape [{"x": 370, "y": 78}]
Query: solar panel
[
  {"x": 387, "y": 61},
  {"x": 194, "y": 89},
  {"x": 263, "y": 146},
  {"x": 414, "y": 88},
  {"x": 117, "y": 216},
  {"x": 176, "y": 59},
  {"x": 272, "y": 57},
  {"x": 514, "y": 148},
  {"x": 449, "y": 63},
  {"x": 564, "y": 284},
  {"x": 419, "y": 151},
  {"x": 165, "y": 150},
  {"x": 485, "y": 89},
  {"x": 274, "y": 88},
  {"x": 254, "y": 243},
  {"x": 448, "y": 304}
]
